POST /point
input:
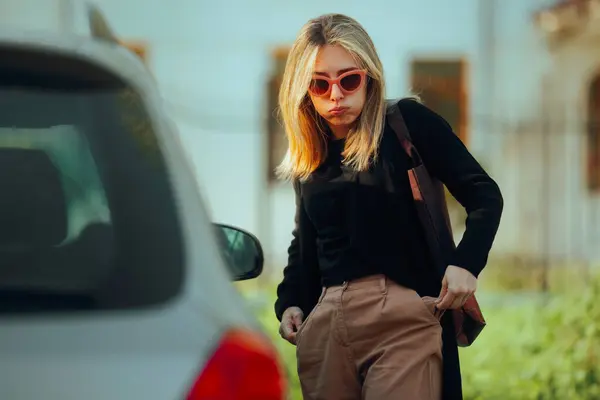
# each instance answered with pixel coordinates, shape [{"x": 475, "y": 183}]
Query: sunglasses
[{"x": 349, "y": 82}]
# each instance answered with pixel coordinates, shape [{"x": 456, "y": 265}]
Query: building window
[
  {"x": 593, "y": 136},
  {"x": 442, "y": 86},
  {"x": 277, "y": 141}
]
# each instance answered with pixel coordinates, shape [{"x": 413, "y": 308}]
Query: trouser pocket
[
  {"x": 309, "y": 317},
  {"x": 432, "y": 308}
]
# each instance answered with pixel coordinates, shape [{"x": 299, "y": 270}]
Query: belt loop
[
  {"x": 344, "y": 286},
  {"x": 383, "y": 284}
]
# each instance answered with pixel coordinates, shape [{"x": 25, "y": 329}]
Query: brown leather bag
[{"x": 430, "y": 201}]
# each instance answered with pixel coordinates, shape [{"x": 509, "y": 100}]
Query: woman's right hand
[{"x": 290, "y": 323}]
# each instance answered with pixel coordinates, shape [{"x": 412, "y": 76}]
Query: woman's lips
[{"x": 338, "y": 111}]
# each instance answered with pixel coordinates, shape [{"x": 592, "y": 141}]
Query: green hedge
[
  {"x": 538, "y": 350},
  {"x": 531, "y": 348}
]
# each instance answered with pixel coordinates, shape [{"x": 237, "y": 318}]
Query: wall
[
  {"x": 212, "y": 62},
  {"x": 512, "y": 131},
  {"x": 575, "y": 211}
]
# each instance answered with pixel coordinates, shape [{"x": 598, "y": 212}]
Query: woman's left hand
[{"x": 457, "y": 286}]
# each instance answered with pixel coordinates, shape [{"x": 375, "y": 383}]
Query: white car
[{"x": 113, "y": 283}]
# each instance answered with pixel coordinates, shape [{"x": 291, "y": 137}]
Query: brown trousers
[{"x": 371, "y": 339}]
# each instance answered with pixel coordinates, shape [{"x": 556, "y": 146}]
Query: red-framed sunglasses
[{"x": 349, "y": 82}]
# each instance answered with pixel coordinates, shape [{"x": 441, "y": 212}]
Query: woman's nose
[{"x": 336, "y": 93}]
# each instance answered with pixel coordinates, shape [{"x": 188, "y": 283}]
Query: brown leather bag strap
[
  {"x": 432, "y": 210},
  {"x": 396, "y": 121},
  {"x": 428, "y": 193}
]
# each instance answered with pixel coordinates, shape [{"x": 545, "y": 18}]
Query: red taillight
[{"x": 244, "y": 366}]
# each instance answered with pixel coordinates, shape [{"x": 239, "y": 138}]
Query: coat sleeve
[
  {"x": 301, "y": 284},
  {"x": 448, "y": 159}
]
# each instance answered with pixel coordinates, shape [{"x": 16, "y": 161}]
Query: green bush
[
  {"x": 531, "y": 349},
  {"x": 538, "y": 350}
]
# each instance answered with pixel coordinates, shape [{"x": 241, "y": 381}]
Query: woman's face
[{"x": 338, "y": 102}]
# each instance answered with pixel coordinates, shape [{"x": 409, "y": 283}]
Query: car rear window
[{"x": 88, "y": 219}]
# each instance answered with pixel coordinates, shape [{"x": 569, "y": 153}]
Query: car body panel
[{"x": 150, "y": 353}]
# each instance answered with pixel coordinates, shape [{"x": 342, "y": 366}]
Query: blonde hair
[{"x": 304, "y": 127}]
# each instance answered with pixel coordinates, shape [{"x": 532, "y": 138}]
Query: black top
[
  {"x": 361, "y": 229},
  {"x": 366, "y": 223}
]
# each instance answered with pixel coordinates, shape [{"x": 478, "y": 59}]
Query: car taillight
[{"x": 244, "y": 366}]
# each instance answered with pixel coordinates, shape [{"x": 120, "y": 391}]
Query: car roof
[
  {"x": 105, "y": 53},
  {"x": 211, "y": 281}
]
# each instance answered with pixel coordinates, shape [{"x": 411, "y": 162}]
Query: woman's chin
[{"x": 342, "y": 120}]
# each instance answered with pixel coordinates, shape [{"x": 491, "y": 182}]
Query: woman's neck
[{"x": 339, "y": 131}]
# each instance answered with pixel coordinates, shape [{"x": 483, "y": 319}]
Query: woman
[{"x": 359, "y": 297}]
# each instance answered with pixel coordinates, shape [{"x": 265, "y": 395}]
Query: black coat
[{"x": 446, "y": 158}]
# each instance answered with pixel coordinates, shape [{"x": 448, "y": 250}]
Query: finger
[
  {"x": 461, "y": 300},
  {"x": 457, "y": 303},
  {"x": 291, "y": 338},
  {"x": 442, "y": 294},
  {"x": 297, "y": 321},
  {"x": 446, "y": 301},
  {"x": 287, "y": 328},
  {"x": 287, "y": 332},
  {"x": 444, "y": 289},
  {"x": 466, "y": 297}
]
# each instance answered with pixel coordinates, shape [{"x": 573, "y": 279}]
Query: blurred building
[{"x": 517, "y": 80}]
